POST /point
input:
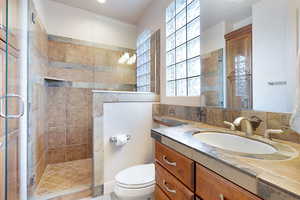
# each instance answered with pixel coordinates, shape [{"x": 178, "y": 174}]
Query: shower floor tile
[{"x": 59, "y": 179}]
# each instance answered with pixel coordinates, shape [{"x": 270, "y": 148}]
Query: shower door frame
[{"x": 13, "y": 100}]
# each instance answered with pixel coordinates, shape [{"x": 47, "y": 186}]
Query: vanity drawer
[
  {"x": 180, "y": 166},
  {"x": 159, "y": 194},
  {"x": 172, "y": 187},
  {"x": 210, "y": 186}
]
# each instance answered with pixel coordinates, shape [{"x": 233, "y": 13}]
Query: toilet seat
[
  {"x": 136, "y": 177},
  {"x": 137, "y": 186}
]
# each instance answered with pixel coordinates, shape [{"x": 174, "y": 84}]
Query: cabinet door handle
[
  {"x": 167, "y": 188},
  {"x": 221, "y": 197},
  {"x": 168, "y": 162},
  {"x": 21, "y": 103}
]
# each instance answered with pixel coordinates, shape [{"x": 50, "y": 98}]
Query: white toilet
[{"x": 135, "y": 183}]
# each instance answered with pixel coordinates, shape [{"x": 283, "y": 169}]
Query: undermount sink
[{"x": 235, "y": 143}]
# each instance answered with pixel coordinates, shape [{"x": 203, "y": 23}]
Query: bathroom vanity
[
  {"x": 189, "y": 169},
  {"x": 182, "y": 178}
]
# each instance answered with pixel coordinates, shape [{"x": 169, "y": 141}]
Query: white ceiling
[
  {"x": 215, "y": 11},
  {"x": 128, "y": 11}
]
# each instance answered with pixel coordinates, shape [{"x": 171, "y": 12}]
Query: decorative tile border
[
  {"x": 99, "y": 98},
  {"x": 64, "y": 65},
  {"x": 216, "y": 116}
]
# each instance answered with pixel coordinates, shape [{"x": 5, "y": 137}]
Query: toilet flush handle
[{"x": 168, "y": 162}]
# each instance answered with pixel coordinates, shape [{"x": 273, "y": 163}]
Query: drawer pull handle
[
  {"x": 221, "y": 196},
  {"x": 167, "y": 188},
  {"x": 168, "y": 162}
]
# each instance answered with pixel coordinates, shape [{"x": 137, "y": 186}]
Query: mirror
[
  {"x": 249, "y": 53},
  {"x": 248, "y": 49}
]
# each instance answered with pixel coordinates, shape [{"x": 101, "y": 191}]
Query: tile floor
[
  {"x": 105, "y": 197},
  {"x": 65, "y": 178}
]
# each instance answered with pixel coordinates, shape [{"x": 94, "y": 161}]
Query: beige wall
[{"x": 64, "y": 20}]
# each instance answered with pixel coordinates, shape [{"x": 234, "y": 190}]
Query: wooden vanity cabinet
[
  {"x": 175, "y": 174},
  {"x": 209, "y": 186},
  {"x": 180, "y": 178},
  {"x": 159, "y": 194},
  {"x": 180, "y": 166},
  {"x": 172, "y": 187}
]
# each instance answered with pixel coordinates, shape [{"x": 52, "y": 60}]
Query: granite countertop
[{"x": 271, "y": 177}]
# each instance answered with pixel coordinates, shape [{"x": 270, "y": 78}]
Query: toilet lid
[{"x": 137, "y": 176}]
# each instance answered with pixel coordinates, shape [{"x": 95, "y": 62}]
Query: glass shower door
[{"x": 12, "y": 55}]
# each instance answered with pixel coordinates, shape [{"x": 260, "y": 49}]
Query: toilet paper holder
[{"x": 113, "y": 139}]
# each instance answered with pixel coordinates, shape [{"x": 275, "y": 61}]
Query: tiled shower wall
[
  {"x": 82, "y": 66},
  {"x": 216, "y": 116},
  {"x": 90, "y": 65},
  {"x": 37, "y": 138},
  {"x": 69, "y": 124}
]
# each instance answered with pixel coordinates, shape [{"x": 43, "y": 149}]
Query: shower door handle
[{"x": 21, "y": 103}]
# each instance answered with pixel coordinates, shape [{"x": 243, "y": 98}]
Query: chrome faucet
[{"x": 249, "y": 128}]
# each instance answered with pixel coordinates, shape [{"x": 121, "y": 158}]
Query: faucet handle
[
  {"x": 237, "y": 121},
  {"x": 268, "y": 132},
  {"x": 231, "y": 125}
]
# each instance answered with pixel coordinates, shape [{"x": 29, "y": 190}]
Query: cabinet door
[
  {"x": 159, "y": 194},
  {"x": 177, "y": 164},
  {"x": 210, "y": 186},
  {"x": 171, "y": 186}
]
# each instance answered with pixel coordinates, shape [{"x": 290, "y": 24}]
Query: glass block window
[
  {"x": 183, "y": 48},
  {"x": 143, "y": 72}
]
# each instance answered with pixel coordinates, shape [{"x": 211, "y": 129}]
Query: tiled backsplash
[{"x": 216, "y": 116}]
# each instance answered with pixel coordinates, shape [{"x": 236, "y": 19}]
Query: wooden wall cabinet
[
  {"x": 239, "y": 68},
  {"x": 180, "y": 178}
]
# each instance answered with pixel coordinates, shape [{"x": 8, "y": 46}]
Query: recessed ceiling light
[{"x": 101, "y": 1}]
